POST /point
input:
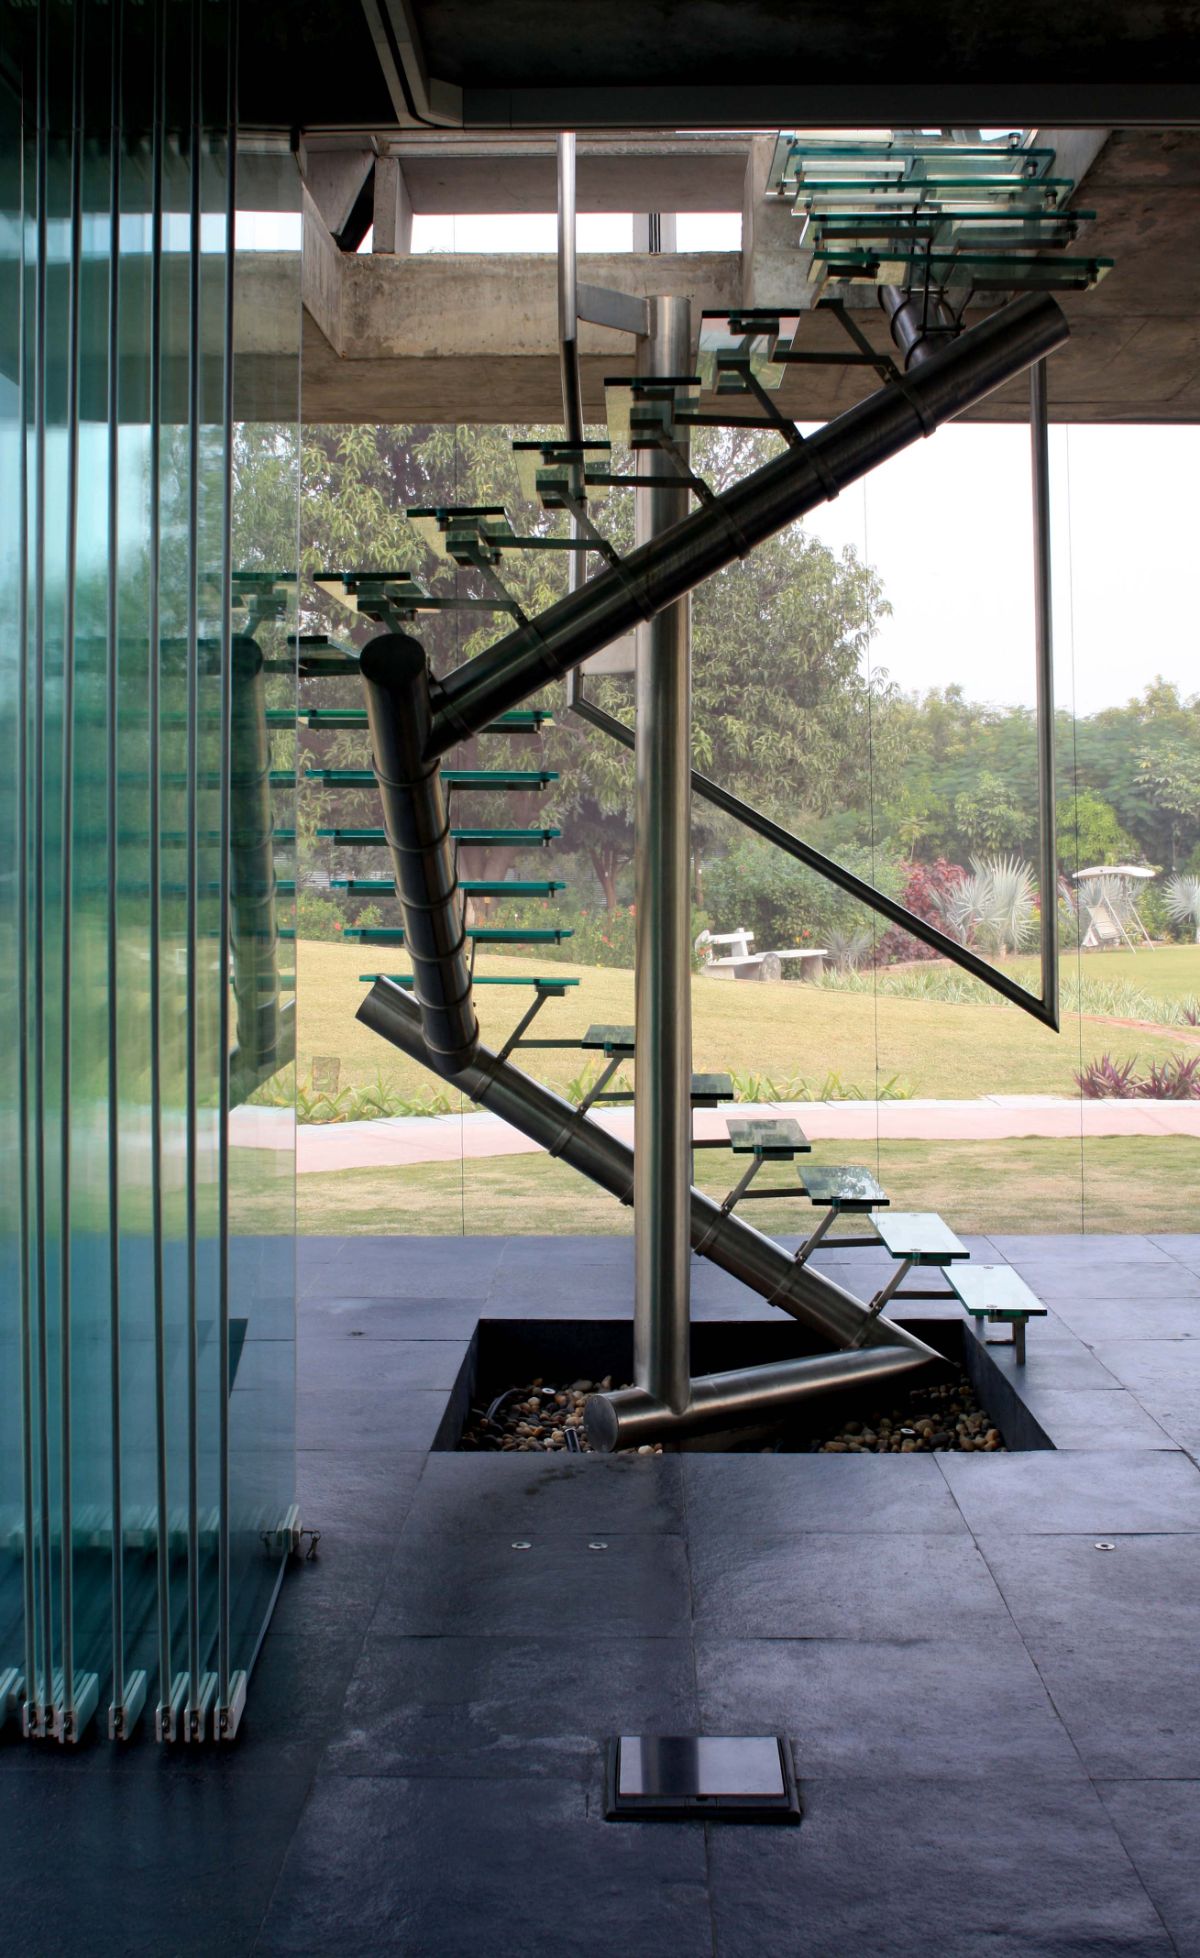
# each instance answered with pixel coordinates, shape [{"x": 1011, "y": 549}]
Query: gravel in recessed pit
[
  {"x": 548, "y": 1419},
  {"x": 945, "y": 1417}
]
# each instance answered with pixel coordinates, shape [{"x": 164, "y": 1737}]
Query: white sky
[{"x": 947, "y": 526}]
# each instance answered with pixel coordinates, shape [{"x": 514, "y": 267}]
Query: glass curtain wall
[
  {"x": 147, "y": 1310},
  {"x": 868, "y": 679}
]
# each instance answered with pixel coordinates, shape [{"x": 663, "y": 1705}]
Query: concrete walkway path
[{"x": 409, "y": 1139}]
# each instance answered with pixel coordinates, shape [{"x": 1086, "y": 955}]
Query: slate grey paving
[
  {"x": 848, "y": 1586},
  {"x": 1062, "y": 1590},
  {"x": 395, "y": 1363},
  {"x": 532, "y": 1495},
  {"x": 443, "y": 1698},
  {"x": 1159, "y": 1824},
  {"x": 450, "y": 1869},
  {"x": 734, "y": 1497},
  {"x": 909, "y": 1868},
  {"x": 1102, "y": 1321},
  {"x": 1080, "y": 1417},
  {"x": 1061, "y": 1278},
  {"x": 508, "y": 1707},
  {"x": 925, "y": 1710},
  {"x": 343, "y": 1494},
  {"x": 1131, "y": 1706},
  {"x": 638, "y": 1586},
  {"x": 193, "y": 1856},
  {"x": 1049, "y": 1492},
  {"x": 1094, "y": 1248}
]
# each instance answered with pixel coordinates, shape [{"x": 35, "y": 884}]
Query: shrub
[
  {"x": 1108, "y": 1080},
  {"x": 783, "y": 902},
  {"x": 925, "y": 887},
  {"x": 1175, "y": 1079}
]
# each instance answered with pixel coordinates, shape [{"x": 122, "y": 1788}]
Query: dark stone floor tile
[
  {"x": 1051, "y": 1493},
  {"x": 1160, "y": 1372},
  {"x": 929, "y": 1711},
  {"x": 534, "y": 1495},
  {"x": 182, "y": 1859},
  {"x": 452, "y": 1869},
  {"x": 344, "y": 1360},
  {"x": 1093, "y": 1248},
  {"x": 336, "y": 1591},
  {"x": 1062, "y": 1590},
  {"x": 367, "y": 1419},
  {"x": 376, "y": 1319},
  {"x": 1184, "y": 1245},
  {"x": 1159, "y": 1824},
  {"x": 1061, "y": 1278},
  {"x": 1101, "y": 1321},
  {"x": 908, "y": 1868},
  {"x": 508, "y": 1707},
  {"x": 354, "y": 1495},
  {"x": 592, "y": 1292},
  {"x": 899, "y": 1587},
  {"x": 1131, "y": 1706},
  {"x": 637, "y": 1587},
  {"x": 739, "y": 1496},
  {"x": 1081, "y": 1417},
  {"x": 400, "y": 1267},
  {"x": 1056, "y": 1359}
]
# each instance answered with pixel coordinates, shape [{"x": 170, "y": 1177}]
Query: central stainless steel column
[{"x": 663, "y": 1116}]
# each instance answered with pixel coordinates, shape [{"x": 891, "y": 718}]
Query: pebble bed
[
  {"x": 538, "y": 1418},
  {"x": 947, "y": 1417}
]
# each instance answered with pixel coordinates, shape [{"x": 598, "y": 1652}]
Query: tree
[
  {"x": 782, "y": 712},
  {"x": 1089, "y": 833}
]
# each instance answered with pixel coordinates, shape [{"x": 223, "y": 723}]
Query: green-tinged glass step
[
  {"x": 481, "y": 934},
  {"x": 405, "y": 979},
  {"x": 452, "y": 778},
  {"x": 978, "y": 271},
  {"x": 269, "y": 982},
  {"x": 516, "y": 838},
  {"x": 470, "y": 887},
  {"x": 522, "y": 720},
  {"x": 774, "y": 1140}
]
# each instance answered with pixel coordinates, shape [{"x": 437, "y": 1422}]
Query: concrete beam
[
  {"x": 334, "y": 180},
  {"x": 393, "y": 220},
  {"x": 447, "y": 177}
]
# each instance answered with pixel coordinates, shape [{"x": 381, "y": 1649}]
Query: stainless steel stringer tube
[
  {"x": 395, "y": 678},
  {"x": 665, "y": 568},
  {"x": 724, "y": 1238},
  {"x": 662, "y": 830}
]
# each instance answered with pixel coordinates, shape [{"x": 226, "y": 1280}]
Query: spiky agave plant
[
  {"x": 994, "y": 907},
  {"x": 1182, "y": 899}
]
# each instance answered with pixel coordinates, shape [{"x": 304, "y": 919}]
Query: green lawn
[
  {"x": 941, "y": 1051},
  {"x": 1125, "y": 1184}
]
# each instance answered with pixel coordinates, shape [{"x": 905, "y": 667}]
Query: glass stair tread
[
  {"x": 995, "y": 1292},
  {"x": 709, "y": 1089},
  {"x": 609, "y": 1039},
  {"x": 920, "y": 1236},
  {"x": 480, "y": 934},
  {"x": 520, "y": 721},
  {"x": 775, "y": 1141},
  {"x": 453, "y": 778},
  {"x": 480, "y": 979},
  {"x": 982, "y": 271},
  {"x": 470, "y": 886},
  {"x": 514, "y": 837},
  {"x": 843, "y": 1186}
]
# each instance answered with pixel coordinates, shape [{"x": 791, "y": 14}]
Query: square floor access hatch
[{"x": 715, "y": 1777}]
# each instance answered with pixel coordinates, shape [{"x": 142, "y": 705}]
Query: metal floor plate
[{"x": 717, "y": 1777}]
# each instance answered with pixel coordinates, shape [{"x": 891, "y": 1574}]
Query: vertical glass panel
[
  {"x": 262, "y": 869},
  {"x": 13, "y": 1418}
]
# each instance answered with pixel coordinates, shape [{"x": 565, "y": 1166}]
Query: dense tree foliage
[{"x": 790, "y": 712}]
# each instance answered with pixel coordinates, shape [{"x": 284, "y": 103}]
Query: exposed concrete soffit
[{"x": 416, "y": 95}]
